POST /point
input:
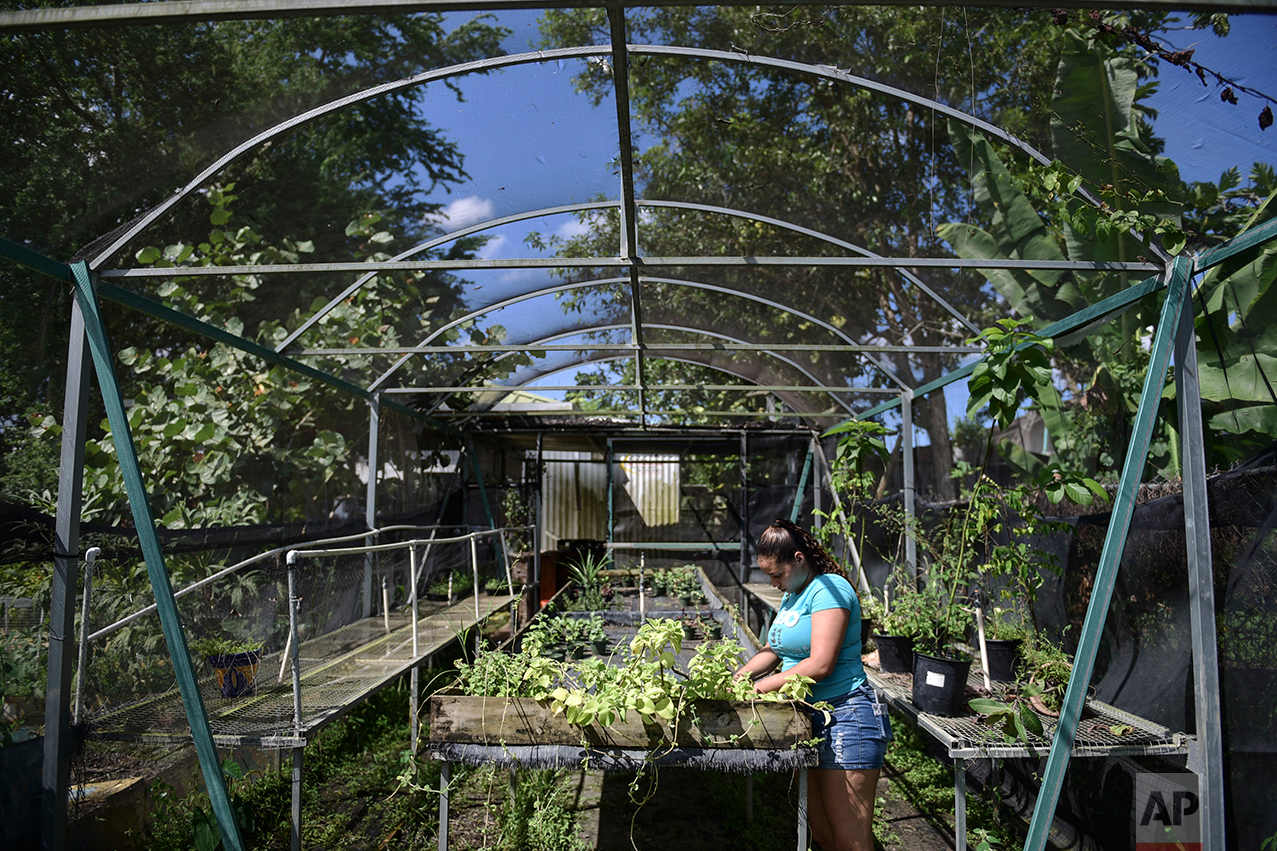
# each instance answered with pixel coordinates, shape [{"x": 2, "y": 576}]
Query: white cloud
[
  {"x": 573, "y": 228},
  {"x": 492, "y": 248},
  {"x": 464, "y": 212}
]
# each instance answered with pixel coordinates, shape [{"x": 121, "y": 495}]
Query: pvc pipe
[
  {"x": 90, "y": 557},
  {"x": 412, "y": 693},
  {"x": 984, "y": 651},
  {"x": 385, "y": 603}
]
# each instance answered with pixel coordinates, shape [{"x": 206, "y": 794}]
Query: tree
[
  {"x": 1119, "y": 161},
  {"x": 106, "y": 123},
  {"x": 865, "y": 168}
]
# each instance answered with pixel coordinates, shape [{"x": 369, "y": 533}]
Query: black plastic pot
[
  {"x": 940, "y": 684},
  {"x": 1004, "y": 657},
  {"x": 895, "y": 653},
  {"x": 866, "y": 627}
]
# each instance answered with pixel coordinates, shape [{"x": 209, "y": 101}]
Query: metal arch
[
  {"x": 663, "y": 327},
  {"x": 832, "y": 240},
  {"x": 186, "y": 11},
  {"x": 605, "y": 205},
  {"x": 628, "y": 208},
  {"x": 683, "y": 360},
  {"x": 492, "y": 63},
  {"x": 474, "y": 314},
  {"x": 891, "y": 373},
  {"x": 230, "y": 156},
  {"x": 832, "y": 73},
  {"x": 886, "y": 368},
  {"x": 433, "y": 243}
]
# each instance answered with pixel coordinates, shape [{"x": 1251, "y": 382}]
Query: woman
[{"x": 816, "y": 633}]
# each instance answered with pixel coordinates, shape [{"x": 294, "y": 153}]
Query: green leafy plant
[
  {"x": 1049, "y": 669},
  {"x": 586, "y": 570},
  {"x": 1015, "y": 715},
  {"x": 206, "y": 835},
  {"x": 223, "y": 646}
]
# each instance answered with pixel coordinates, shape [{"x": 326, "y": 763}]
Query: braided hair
[{"x": 783, "y": 540}]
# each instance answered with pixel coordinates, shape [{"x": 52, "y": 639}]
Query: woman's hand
[{"x": 763, "y": 661}]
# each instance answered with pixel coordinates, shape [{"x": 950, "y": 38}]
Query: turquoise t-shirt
[{"x": 790, "y": 633}]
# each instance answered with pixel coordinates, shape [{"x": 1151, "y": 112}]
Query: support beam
[
  {"x": 906, "y": 452},
  {"x": 1201, "y": 587},
  {"x": 802, "y": 486},
  {"x": 744, "y": 509},
  {"x": 538, "y": 536},
  {"x": 1110, "y": 558},
  {"x": 611, "y": 498},
  {"x": 295, "y": 832},
  {"x": 144, "y": 522},
  {"x": 56, "y": 773},
  {"x": 370, "y": 498}
]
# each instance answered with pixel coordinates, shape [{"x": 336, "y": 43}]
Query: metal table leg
[
  {"x": 802, "y": 810},
  {"x": 960, "y": 805},
  {"x": 297, "y": 798},
  {"x": 445, "y": 775}
]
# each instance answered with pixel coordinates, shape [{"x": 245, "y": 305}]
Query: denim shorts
[{"x": 856, "y": 733}]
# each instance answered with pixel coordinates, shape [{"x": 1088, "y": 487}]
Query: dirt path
[{"x": 694, "y": 809}]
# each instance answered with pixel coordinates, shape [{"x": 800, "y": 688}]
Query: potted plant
[
  {"x": 586, "y": 570},
  {"x": 596, "y": 634},
  {"x": 899, "y": 617},
  {"x": 234, "y": 662},
  {"x": 493, "y": 586}
]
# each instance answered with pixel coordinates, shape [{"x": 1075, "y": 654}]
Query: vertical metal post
[
  {"x": 295, "y": 641},
  {"x": 538, "y": 535},
  {"x": 611, "y": 495},
  {"x": 414, "y": 677},
  {"x": 474, "y": 567},
  {"x": 1110, "y": 558},
  {"x": 157, "y": 570},
  {"x": 296, "y": 831},
  {"x": 56, "y": 773},
  {"x": 744, "y": 508},
  {"x": 906, "y": 451},
  {"x": 960, "y": 805},
  {"x": 370, "y": 498},
  {"x": 802, "y": 809},
  {"x": 445, "y": 776},
  {"x": 90, "y": 558},
  {"x": 1201, "y": 587}
]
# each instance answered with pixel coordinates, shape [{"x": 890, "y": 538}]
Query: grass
[
  {"x": 928, "y": 784},
  {"x": 351, "y": 795}
]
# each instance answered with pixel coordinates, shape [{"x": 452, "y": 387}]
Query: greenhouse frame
[{"x": 785, "y": 325}]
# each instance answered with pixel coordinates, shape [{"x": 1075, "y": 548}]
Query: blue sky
[{"x": 1203, "y": 135}]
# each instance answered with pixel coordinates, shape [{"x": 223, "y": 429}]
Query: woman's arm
[
  {"x": 763, "y": 662},
  {"x": 828, "y": 627}
]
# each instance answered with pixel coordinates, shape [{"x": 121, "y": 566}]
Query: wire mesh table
[
  {"x": 338, "y": 671},
  {"x": 966, "y": 737}
]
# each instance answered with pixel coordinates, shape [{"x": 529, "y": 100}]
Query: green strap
[
  {"x": 802, "y": 488},
  {"x": 1110, "y": 557},
  {"x": 1101, "y": 311},
  {"x": 180, "y": 655}
]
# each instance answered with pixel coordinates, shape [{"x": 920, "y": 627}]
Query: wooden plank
[{"x": 517, "y": 721}]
